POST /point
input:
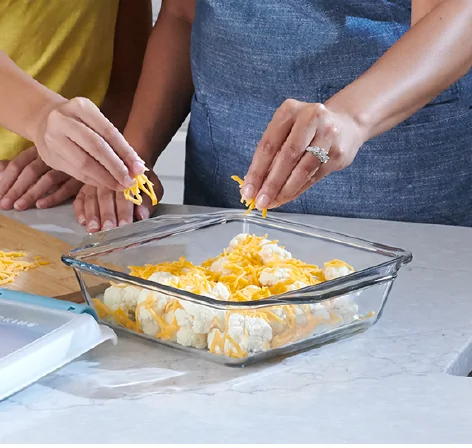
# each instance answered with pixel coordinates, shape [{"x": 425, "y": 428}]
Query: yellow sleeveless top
[{"x": 66, "y": 45}]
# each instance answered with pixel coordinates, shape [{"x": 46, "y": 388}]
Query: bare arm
[
  {"x": 71, "y": 136},
  {"x": 133, "y": 27},
  {"x": 161, "y": 103},
  {"x": 431, "y": 56},
  {"x": 23, "y": 99},
  {"x": 420, "y": 8},
  {"x": 162, "y": 100}
]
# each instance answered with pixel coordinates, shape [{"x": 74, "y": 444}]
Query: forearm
[
  {"x": 133, "y": 27},
  {"x": 23, "y": 100},
  {"x": 431, "y": 56},
  {"x": 162, "y": 100},
  {"x": 116, "y": 107}
]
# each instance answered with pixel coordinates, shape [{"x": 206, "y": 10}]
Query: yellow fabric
[{"x": 67, "y": 45}]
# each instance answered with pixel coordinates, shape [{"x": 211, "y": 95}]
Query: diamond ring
[{"x": 319, "y": 153}]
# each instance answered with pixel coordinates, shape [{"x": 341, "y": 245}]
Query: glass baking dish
[{"x": 233, "y": 332}]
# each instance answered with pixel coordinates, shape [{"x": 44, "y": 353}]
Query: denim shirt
[{"x": 248, "y": 56}]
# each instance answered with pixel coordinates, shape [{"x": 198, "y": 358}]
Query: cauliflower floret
[
  {"x": 296, "y": 285},
  {"x": 169, "y": 333},
  {"x": 335, "y": 269},
  {"x": 322, "y": 316},
  {"x": 278, "y": 325},
  {"x": 218, "y": 266},
  {"x": 188, "y": 338},
  {"x": 302, "y": 314},
  {"x": 251, "y": 334},
  {"x": 124, "y": 298},
  {"x": 273, "y": 252},
  {"x": 157, "y": 302},
  {"x": 320, "y": 312},
  {"x": 346, "y": 308},
  {"x": 237, "y": 240},
  {"x": 182, "y": 316},
  {"x": 220, "y": 292},
  {"x": 272, "y": 276},
  {"x": 200, "y": 318},
  {"x": 164, "y": 278},
  {"x": 217, "y": 291}
]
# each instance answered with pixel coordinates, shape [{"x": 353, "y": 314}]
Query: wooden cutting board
[{"x": 52, "y": 280}]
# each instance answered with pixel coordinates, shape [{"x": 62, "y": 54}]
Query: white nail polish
[
  {"x": 92, "y": 225},
  {"x": 107, "y": 225}
]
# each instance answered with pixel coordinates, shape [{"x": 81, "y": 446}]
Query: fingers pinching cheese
[{"x": 142, "y": 183}]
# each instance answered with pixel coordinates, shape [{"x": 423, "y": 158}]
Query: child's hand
[
  {"x": 103, "y": 209},
  {"x": 27, "y": 182},
  {"x": 74, "y": 136}
]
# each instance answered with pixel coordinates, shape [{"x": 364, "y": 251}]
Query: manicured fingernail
[
  {"x": 262, "y": 201},
  {"x": 20, "y": 204},
  {"x": 122, "y": 223},
  {"x": 39, "y": 204},
  {"x": 92, "y": 225},
  {"x": 81, "y": 219},
  {"x": 107, "y": 225},
  {"x": 139, "y": 167},
  {"x": 129, "y": 182},
  {"x": 6, "y": 204},
  {"x": 248, "y": 192},
  {"x": 143, "y": 214}
]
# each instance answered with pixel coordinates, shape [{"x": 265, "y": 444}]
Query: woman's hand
[
  {"x": 103, "y": 209},
  {"x": 282, "y": 169},
  {"x": 26, "y": 181},
  {"x": 75, "y": 137}
]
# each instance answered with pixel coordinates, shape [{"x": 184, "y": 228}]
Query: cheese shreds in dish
[
  {"x": 142, "y": 184},
  {"x": 12, "y": 265},
  {"x": 251, "y": 203},
  {"x": 251, "y": 268}
]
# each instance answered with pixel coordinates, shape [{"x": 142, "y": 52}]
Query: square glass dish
[{"x": 254, "y": 301}]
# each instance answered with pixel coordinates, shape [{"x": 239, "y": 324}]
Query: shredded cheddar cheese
[
  {"x": 11, "y": 266},
  {"x": 142, "y": 184},
  {"x": 239, "y": 272},
  {"x": 251, "y": 203}
]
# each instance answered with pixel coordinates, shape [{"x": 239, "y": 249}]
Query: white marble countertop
[{"x": 401, "y": 381}]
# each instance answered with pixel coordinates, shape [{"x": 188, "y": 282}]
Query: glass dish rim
[{"x": 324, "y": 291}]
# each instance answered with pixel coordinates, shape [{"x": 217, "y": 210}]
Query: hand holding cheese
[
  {"x": 76, "y": 138},
  {"x": 72, "y": 136},
  {"x": 103, "y": 209}
]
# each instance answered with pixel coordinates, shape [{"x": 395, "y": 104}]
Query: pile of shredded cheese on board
[
  {"x": 12, "y": 265},
  {"x": 239, "y": 269},
  {"x": 142, "y": 184},
  {"x": 251, "y": 203}
]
